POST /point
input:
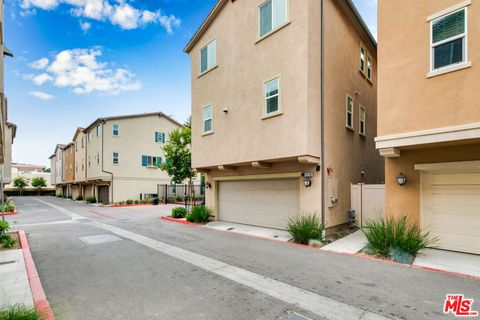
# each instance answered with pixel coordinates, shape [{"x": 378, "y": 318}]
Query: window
[
  {"x": 272, "y": 96},
  {"x": 208, "y": 56},
  {"x": 273, "y": 14},
  {"x": 349, "y": 112},
  {"x": 362, "y": 58},
  {"x": 150, "y": 161},
  {"x": 362, "y": 123},
  {"x": 89, "y": 136},
  {"x": 89, "y": 161},
  {"x": 99, "y": 131},
  {"x": 115, "y": 130},
  {"x": 207, "y": 119},
  {"x": 83, "y": 141},
  {"x": 115, "y": 157},
  {"x": 98, "y": 158},
  {"x": 160, "y": 137},
  {"x": 76, "y": 145},
  {"x": 369, "y": 68},
  {"x": 449, "y": 39}
]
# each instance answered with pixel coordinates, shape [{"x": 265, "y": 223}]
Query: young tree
[
  {"x": 179, "y": 158},
  {"x": 20, "y": 183},
  {"x": 39, "y": 182}
]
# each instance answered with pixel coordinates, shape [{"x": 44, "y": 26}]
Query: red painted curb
[
  {"x": 129, "y": 205},
  {"x": 8, "y": 213},
  {"x": 39, "y": 298},
  {"x": 102, "y": 215},
  {"x": 361, "y": 256}
]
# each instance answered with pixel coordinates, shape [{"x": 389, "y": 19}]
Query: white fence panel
[{"x": 368, "y": 201}]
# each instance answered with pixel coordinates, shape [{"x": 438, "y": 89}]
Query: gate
[
  {"x": 368, "y": 201},
  {"x": 177, "y": 193}
]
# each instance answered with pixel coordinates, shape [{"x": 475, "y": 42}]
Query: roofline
[
  {"x": 221, "y": 3},
  {"x": 205, "y": 24},
  {"x": 79, "y": 129},
  {"x": 130, "y": 116},
  {"x": 360, "y": 20},
  {"x": 14, "y": 128}
]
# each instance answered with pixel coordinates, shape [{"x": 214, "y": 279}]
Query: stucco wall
[
  {"x": 406, "y": 200},
  {"x": 69, "y": 164},
  {"x": 408, "y": 100},
  {"x": 347, "y": 153},
  {"x": 80, "y": 153},
  {"x": 244, "y": 64}
]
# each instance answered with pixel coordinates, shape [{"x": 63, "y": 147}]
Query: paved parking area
[{"x": 163, "y": 270}]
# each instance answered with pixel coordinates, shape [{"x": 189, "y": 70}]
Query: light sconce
[
  {"x": 401, "y": 179},
  {"x": 307, "y": 179},
  {"x": 208, "y": 185}
]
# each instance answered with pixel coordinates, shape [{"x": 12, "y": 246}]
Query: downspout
[
  {"x": 111, "y": 173},
  {"x": 322, "y": 107}
]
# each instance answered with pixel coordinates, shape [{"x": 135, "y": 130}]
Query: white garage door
[
  {"x": 265, "y": 203},
  {"x": 451, "y": 210}
]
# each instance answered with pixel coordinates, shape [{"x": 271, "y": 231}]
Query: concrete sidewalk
[
  {"x": 14, "y": 285},
  {"x": 449, "y": 261},
  {"x": 268, "y": 233},
  {"x": 352, "y": 243}
]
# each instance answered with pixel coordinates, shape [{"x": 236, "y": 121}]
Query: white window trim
[
  {"x": 98, "y": 131},
  {"x": 279, "y": 111},
  {"x": 113, "y": 130},
  {"x": 364, "y": 133},
  {"x": 362, "y": 46},
  {"x": 347, "y": 96},
  {"x": 204, "y": 133},
  {"x": 118, "y": 158},
  {"x": 369, "y": 59},
  {"x": 453, "y": 67},
  {"x": 200, "y": 72},
  {"x": 277, "y": 28}
]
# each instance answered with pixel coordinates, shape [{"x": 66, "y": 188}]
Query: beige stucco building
[
  {"x": 428, "y": 117},
  {"x": 283, "y": 90}
]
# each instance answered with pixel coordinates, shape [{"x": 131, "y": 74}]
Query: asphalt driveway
[{"x": 150, "y": 271}]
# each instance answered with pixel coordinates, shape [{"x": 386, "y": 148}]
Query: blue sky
[{"x": 77, "y": 60}]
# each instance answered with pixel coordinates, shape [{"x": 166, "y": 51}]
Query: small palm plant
[{"x": 305, "y": 228}]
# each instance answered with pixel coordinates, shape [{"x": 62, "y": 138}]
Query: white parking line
[{"x": 307, "y": 300}]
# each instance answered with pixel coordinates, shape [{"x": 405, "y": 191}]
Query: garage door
[
  {"x": 265, "y": 203},
  {"x": 451, "y": 210}
]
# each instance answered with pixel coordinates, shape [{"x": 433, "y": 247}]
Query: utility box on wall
[{"x": 332, "y": 189}]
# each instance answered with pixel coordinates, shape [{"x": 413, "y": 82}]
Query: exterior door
[
  {"x": 265, "y": 203},
  {"x": 103, "y": 194}
]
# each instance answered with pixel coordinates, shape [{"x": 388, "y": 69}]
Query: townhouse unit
[
  {"x": 283, "y": 109},
  {"x": 115, "y": 158},
  {"x": 428, "y": 118},
  {"x": 56, "y": 170}
]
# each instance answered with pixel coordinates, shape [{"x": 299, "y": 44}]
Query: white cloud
[
  {"x": 39, "y": 64},
  {"x": 117, "y": 12},
  {"x": 80, "y": 70},
  {"x": 41, "y": 95},
  {"x": 85, "y": 26}
]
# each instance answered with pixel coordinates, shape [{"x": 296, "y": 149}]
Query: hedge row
[{"x": 9, "y": 193}]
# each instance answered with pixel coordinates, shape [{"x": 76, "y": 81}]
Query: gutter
[
  {"x": 111, "y": 173},
  {"x": 362, "y": 23},
  {"x": 322, "y": 106}
]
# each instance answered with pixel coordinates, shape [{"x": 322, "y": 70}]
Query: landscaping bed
[{"x": 14, "y": 238}]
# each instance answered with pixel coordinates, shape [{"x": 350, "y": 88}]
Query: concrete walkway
[
  {"x": 449, "y": 261},
  {"x": 352, "y": 243},
  {"x": 251, "y": 230},
  {"x": 14, "y": 285}
]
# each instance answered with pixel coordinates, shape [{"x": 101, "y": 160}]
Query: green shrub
[
  {"x": 137, "y": 201},
  {"x": 91, "y": 200},
  {"x": 179, "y": 212},
  {"x": 385, "y": 235},
  {"x": 171, "y": 199},
  {"x": 150, "y": 200},
  {"x": 180, "y": 198},
  {"x": 4, "y": 227},
  {"x": 129, "y": 201},
  {"x": 400, "y": 256},
  {"x": 79, "y": 198},
  {"x": 29, "y": 192},
  {"x": 199, "y": 214},
  {"x": 8, "y": 241},
  {"x": 305, "y": 228},
  {"x": 19, "y": 313}
]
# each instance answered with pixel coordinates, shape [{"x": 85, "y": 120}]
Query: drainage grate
[
  {"x": 100, "y": 238},
  {"x": 291, "y": 315},
  {"x": 230, "y": 229}
]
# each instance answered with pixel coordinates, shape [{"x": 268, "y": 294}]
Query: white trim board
[
  {"x": 458, "y": 166},
  {"x": 445, "y": 134},
  {"x": 451, "y": 9}
]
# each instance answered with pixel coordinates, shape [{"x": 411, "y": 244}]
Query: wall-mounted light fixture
[
  {"x": 307, "y": 179},
  {"x": 208, "y": 185},
  {"x": 401, "y": 179}
]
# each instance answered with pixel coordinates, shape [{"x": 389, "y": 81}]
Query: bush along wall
[{"x": 42, "y": 192}]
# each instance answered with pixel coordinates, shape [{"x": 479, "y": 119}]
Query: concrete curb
[
  {"x": 362, "y": 256},
  {"x": 128, "y": 205},
  {"x": 39, "y": 298}
]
